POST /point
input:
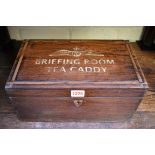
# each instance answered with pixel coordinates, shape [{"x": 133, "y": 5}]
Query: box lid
[{"x": 76, "y": 64}]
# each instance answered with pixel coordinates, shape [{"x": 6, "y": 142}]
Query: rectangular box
[{"x": 76, "y": 80}]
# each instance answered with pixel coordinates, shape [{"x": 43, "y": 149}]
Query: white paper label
[{"x": 77, "y": 93}]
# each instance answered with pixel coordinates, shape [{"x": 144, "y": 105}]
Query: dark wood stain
[
  {"x": 144, "y": 117},
  {"x": 41, "y": 96}
]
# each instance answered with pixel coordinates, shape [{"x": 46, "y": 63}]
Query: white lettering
[
  {"x": 69, "y": 61},
  {"x": 54, "y": 61},
  {"x": 104, "y": 69},
  {"x": 37, "y": 62},
  {"x": 100, "y": 61},
  {"x": 62, "y": 69},
  {"x": 110, "y": 61},
  {"x": 81, "y": 69},
  {"x": 54, "y": 69},
  {"x": 94, "y": 61},
  {"x": 59, "y": 61},
  {"x": 48, "y": 69},
  {"x": 88, "y": 65},
  {"x": 44, "y": 61},
  {"x": 96, "y": 69},
  {"x": 78, "y": 69},
  {"x": 88, "y": 69},
  {"x": 86, "y": 61},
  {"x": 71, "y": 69},
  {"x": 73, "y": 61},
  {"x": 76, "y": 61}
]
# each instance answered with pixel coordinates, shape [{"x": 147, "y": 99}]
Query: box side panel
[
  {"x": 138, "y": 69},
  {"x": 14, "y": 67}
]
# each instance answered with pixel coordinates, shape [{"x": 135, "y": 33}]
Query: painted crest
[{"x": 76, "y": 52}]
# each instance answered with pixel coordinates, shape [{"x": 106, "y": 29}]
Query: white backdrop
[{"x": 75, "y": 32}]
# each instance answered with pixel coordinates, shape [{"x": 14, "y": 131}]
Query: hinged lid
[{"x": 76, "y": 64}]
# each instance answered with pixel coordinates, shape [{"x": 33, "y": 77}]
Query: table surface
[{"x": 144, "y": 117}]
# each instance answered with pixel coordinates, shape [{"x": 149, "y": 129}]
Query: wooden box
[{"x": 76, "y": 80}]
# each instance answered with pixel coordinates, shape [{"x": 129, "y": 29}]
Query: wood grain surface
[
  {"x": 76, "y": 60},
  {"x": 97, "y": 67},
  {"x": 143, "y": 118}
]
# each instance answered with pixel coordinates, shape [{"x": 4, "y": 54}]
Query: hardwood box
[{"x": 76, "y": 80}]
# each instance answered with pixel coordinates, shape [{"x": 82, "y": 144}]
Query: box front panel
[{"x": 65, "y": 109}]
